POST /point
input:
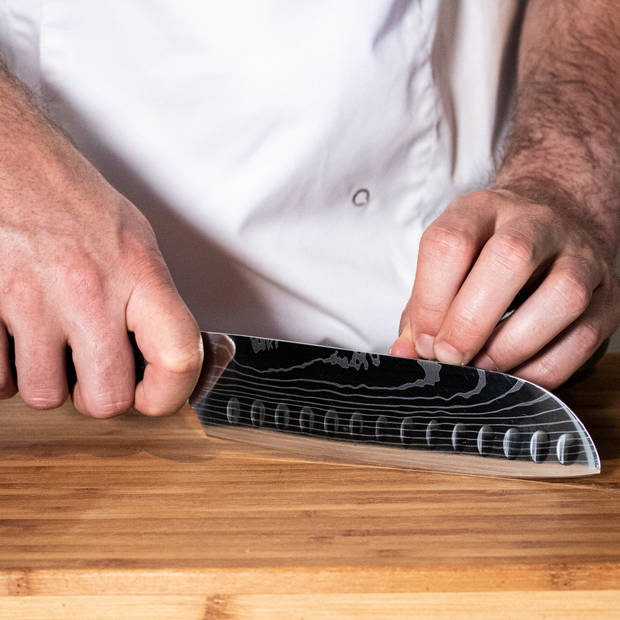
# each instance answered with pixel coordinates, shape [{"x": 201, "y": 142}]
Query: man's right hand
[{"x": 80, "y": 266}]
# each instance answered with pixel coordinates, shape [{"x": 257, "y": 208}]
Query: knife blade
[{"x": 336, "y": 404}]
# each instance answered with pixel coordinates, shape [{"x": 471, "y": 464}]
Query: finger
[
  {"x": 448, "y": 248},
  {"x": 40, "y": 366},
  {"x": 403, "y": 345},
  {"x": 561, "y": 299},
  {"x": 7, "y": 382},
  {"x": 564, "y": 355},
  {"x": 168, "y": 337},
  {"x": 506, "y": 263},
  {"x": 104, "y": 368}
]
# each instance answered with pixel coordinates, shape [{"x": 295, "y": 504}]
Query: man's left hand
[{"x": 478, "y": 256}]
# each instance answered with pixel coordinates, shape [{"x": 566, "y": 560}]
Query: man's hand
[
  {"x": 474, "y": 260},
  {"x": 81, "y": 266},
  {"x": 552, "y": 223}
]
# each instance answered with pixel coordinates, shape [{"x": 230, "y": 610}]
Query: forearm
[
  {"x": 34, "y": 153},
  {"x": 564, "y": 147},
  {"x": 18, "y": 111},
  {"x": 26, "y": 136}
]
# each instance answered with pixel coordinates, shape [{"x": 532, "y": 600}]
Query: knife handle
[{"x": 140, "y": 362}]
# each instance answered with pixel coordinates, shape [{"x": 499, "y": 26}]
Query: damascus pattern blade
[{"x": 335, "y": 404}]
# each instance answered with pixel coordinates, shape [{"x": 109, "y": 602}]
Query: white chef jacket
[{"x": 289, "y": 155}]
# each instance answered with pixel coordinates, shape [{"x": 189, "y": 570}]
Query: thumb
[{"x": 169, "y": 338}]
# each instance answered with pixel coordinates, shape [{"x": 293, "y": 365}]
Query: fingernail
[
  {"x": 447, "y": 354},
  {"x": 485, "y": 362},
  {"x": 424, "y": 346}
]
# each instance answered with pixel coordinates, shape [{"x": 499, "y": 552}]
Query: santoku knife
[{"x": 335, "y": 404}]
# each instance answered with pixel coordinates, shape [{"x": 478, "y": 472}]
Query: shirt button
[{"x": 361, "y": 197}]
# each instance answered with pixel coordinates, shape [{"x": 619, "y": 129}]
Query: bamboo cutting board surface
[{"x": 147, "y": 518}]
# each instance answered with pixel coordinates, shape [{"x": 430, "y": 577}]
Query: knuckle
[
  {"x": 543, "y": 216},
  {"x": 181, "y": 360},
  {"x": 514, "y": 250},
  {"x": 442, "y": 238},
  {"x": 588, "y": 336},
  {"x": 574, "y": 294},
  {"x": 85, "y": 283},
  {"x": 481, "y": 197}
]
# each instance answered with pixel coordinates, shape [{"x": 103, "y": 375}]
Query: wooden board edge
[{"x": 316, "y": 580}]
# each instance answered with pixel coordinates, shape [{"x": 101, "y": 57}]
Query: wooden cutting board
[{"x": 148, "y": 518}]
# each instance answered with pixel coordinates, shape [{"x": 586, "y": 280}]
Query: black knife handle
[{"x": 140, "y": 362}]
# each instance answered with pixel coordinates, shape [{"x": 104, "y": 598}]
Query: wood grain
[{"x": 140, "y": 517}]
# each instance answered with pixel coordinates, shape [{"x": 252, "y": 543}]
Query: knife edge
[{"x": 425, "y": 460}]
